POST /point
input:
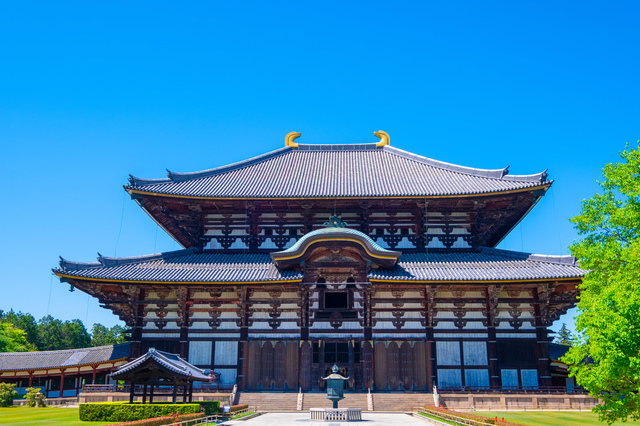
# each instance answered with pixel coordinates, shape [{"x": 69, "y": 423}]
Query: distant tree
[
  {"x": 118, "y": 334},
  {"x": 609, "y": 322},
  {"x": 564, "y": 336},
  {"x": 101, "y": 335},
  {"x": 50, "y": 333},
  {"x": 24, "y": 322},
  {"x": 75, "y": 335},
  {"x": 13, "y": 339}
]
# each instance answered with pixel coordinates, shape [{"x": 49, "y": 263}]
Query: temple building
[{"x": 375, "y": 259}]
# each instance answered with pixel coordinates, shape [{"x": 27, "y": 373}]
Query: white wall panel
[
  {"x": 529, "y": 378},
  {"x": 449, "y": 378},
  {"x": 476, "y": 378},
  {"x": 227, "y": 375},
  {"x": 509, "y": 378},
  {"x": 475, "y": 353},
  {"x": 226, "y": 353},
  {"x": 448, "y": 353},
  {"x": 200, "y": 353}
]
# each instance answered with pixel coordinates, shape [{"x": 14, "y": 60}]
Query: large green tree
[
  {"x": 13, "y": 339},
  {"x": 605, "y": 359}
]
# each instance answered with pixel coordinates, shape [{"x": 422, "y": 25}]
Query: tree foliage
[
  {"x": 21, "y": 332},
  {"x": 606, "y": 357},
  {"x": 564, "y": 336},
  {"x": 7, "y": 394},
  {"x": 13, "y": 339}
]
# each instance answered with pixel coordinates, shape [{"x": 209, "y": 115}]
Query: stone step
[{"x": 288, "y": 401}]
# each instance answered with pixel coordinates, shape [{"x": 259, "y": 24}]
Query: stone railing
[{"x": 336, "y": 414}]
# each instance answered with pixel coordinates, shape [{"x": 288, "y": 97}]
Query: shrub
[
  {"x": 235, "y": 408},
  {"x": 34, "y": 397},
  {"x": 7, "y": 394},
  {"x": 209, "y": 407},
  {"x": 124, "y": 412},
  {"x": 165, "y": 420}
]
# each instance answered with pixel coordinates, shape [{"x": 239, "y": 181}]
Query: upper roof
[
  {"x": 13, "y": 361},
  {"x": 187, "y": 266},
  {"x": 346, "y": 171},
  {"x": 557, "y": 351},
  {"x": 165, "y": 361}
]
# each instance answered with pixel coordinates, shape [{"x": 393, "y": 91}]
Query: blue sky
[{"x": 92, "y": 91}]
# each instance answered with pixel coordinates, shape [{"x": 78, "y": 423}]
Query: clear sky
[{"x": 92, "y": 91}]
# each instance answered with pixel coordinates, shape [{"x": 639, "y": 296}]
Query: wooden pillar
[
  {"x": 185, "y": 392},
  {"x": 144, "y": 394},
  {"x": 243, "y": 364},
  {"x": 190, "y": 392},
  {"x": 151, "y": 394},
  {"x": 30, "y": 379},
  {"x": 320, "y": 363},
  {"x": 93, "y": 377},
  {"x": 183, "y": 323},
  {"x": 492, "y": 343},
  {"x": 352, "y": 370},
  {"x": 175, "y": 392},
  {"x": 430, "y": 349},
  {"x": 542, "y": 342},
  {"x": 61, "y": 382},
  {"x": 132, "y": 392},
  {"x": 304, "y": 312},
  {"x": 368, "y": 315}
]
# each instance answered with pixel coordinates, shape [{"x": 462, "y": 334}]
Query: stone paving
[{"x": 304, "y": 419}]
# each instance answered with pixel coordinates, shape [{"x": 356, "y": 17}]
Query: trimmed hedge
[
  {"x": 124, "y": 412},
  {"x": 494, "y": 421},
  {"x": 161, "y": 421},
  {"x": 209, "y": 407},
  {"x": 235, "y": 408}
]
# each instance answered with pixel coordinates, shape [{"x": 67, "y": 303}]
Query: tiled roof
[
  {"x": 373, "y": 251},
  {"x": 188, "y": 266},
  {"x": 337, "y": 171},
  {"x": 557, "y": 351},
  {"x": 167, "y": 361},
  {"x": 182, "y": 266},
  {"x": 67, "y": 358},
  {"x": 488, "y": 264}
]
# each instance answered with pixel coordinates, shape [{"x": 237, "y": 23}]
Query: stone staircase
[{"x": 288, "y": 401}]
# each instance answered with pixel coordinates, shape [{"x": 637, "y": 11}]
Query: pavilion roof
[
  {"x": 164, "y": 361},
  {"x": 349, "y": 171},
  {"x": 13, "y": 361},
  {"x": 189, "y": 266}
]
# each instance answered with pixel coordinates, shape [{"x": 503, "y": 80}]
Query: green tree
[
  {"x": 50, "y": 333},
  {"x": 74, "y": 335},
  {"x": 101, "y": 335},
  {"x": 564, "y": 336},
  {"x": 7, "y": 394},
  {"x": 24, "y": 322},
  {"x": 13, "y": 339},
  {"x": 605, "y": 358}
]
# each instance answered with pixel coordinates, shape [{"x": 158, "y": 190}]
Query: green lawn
[
  {"x": 550, "y": 418},
  {"x": 49, "y": 416}
]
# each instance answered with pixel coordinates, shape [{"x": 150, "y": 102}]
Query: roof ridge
[
  {"x": 105, "y": 261},
  {"x": 544, "y": 258},
  {"x": 181, "y": 177},
  {"x": 116, "y": 261},
  {"x": 472, "y": 171},
  {"x": 60, "y": 351}
]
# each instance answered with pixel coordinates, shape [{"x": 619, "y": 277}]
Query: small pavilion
[{"x": 157, "y": 368}]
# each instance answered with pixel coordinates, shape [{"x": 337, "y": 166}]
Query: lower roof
[
  {"x": 189, "y": 266},
  {"x": 14, "y": 361}
]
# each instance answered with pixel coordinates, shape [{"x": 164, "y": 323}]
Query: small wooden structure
[{"x": 157, "y": 368}]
